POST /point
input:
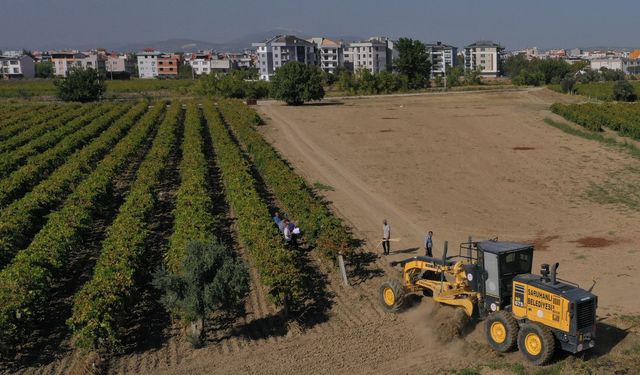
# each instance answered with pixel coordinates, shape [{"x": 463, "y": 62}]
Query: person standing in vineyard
[{"x": 386, "y": 235}]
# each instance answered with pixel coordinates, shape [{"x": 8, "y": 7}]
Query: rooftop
[{"x": 484, "y": 43}]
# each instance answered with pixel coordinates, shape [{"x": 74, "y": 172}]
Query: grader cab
[{"x": 492, "y": 280}]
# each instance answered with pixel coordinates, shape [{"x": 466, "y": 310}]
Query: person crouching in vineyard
[{"x": 287, "y": 233}]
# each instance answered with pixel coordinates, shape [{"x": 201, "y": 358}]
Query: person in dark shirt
[{"x": 428, "y": 244}]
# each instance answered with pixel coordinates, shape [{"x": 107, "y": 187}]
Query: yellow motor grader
[{"x": 492, "y": 280}]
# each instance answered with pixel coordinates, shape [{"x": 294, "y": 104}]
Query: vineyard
[
  {"x": 621, "y": 117},
  {"x": 83, "y": 187},
  {"x": 38, "y": 88}
]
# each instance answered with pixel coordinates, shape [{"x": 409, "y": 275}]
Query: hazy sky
[{"x": 513, "y": 23}]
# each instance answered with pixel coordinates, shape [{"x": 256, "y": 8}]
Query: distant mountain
[{"x": 192, "y": 45}]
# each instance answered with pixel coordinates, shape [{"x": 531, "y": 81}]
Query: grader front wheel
[
  {"x": 536, "y": 343},
  {"x": 392, "y": 295},
  {"x": 502, "y": 331}
]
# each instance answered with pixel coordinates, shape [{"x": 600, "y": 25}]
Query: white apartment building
[
  {"x": 148, "y": 64},
  {"x": 279, "y": 50},
  {"x": 17, "y": 66},
  {"x": 626, "y": 65},
  {"x": 442, "y": 58},
  {"x": 331, "y": 54},
  {"x": 374, "y": 54},
  {"x": 65, "y": 60},
  {"x": 485, "y": 55},
  {"x": 205, "y": 63}
]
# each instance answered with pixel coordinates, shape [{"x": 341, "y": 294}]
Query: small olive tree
[
  {"x": 296, "y": 83},
  {"x": 211, "y": 281},
  {"x": 623, "y": 91},
  {"x": 81, "y": 85}
]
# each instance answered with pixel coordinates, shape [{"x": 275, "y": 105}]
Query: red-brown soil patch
[
  {"x": 593, "y": 242},
  {"x": 542, "y": 243}
]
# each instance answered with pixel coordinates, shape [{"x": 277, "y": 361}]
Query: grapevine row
[
  {"x": 11, "y": 160},
  {"x": 22, "y": 217},
  {"x": 30, "y": 119},
  {"x": 102, "y": 303},
  {"x": 27, "y": 283},
  {"x": 39, "y": 166},
  {"x": 51, "y": 125},
  {"x": 621, "y": 117},
  {"x": 18, "y": 114},
  {"x": 321, "y": 229},
  {"x": 276, "y": 265},
  {"x": 193, "y": 211}
]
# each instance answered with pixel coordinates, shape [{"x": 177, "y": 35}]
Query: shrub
[
  {"x": 296, "y": 83},
  {"x": 624, "y": 92},
  {"x": 81, "y": 85}
]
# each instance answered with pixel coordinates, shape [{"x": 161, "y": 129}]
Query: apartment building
[
  {"x": 330, "y": 52},
  {"x": 279, "y": 50},
  {"x": 119, "y": 66},
  {"x": 209, "y": 62},
  {"x": 148, "y": 63},
  {"x": 485, "y": 55},
  {"x": 375, "y": 54},
  {"x": 65, "y": 60},
  {"x": 442, "y": 57},
  {"x": 626, "y": 65},
  {"x": 169, "y": 65},
  {"x": 17, "y": 66}
]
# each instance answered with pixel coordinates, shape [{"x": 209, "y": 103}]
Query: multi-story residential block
[
  {"x": 168, "y": 65},
  {"x": 626, "y": 65},
  {"x": 375, "y": 54},
  {"x": 485, "y": 55},
  {"x": 148, "y": 63},
  {"x": 331, "y": 54},
  {"x": 209, "y": 62},
  {"x": 246, "y": 59},
  {"x": 17, "y": 66},
  {"x": 119, "y": 66},
  {"x": 279, "y": 50},
  {"x": 65, "y": 60},
  {"x": 442, "y": 58}
]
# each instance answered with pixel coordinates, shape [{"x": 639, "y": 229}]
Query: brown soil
[
  {"x": 523, "y": 148},
  {"x": 593, "y": 242}
]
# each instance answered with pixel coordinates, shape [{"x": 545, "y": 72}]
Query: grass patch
[
  {"x": 632, "y": 350},
  {"x": 631, "y": 148},
  {"x": 323, "y": 187},
  {"x": 621, "y": 188}
]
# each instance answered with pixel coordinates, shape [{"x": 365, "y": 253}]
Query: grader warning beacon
[{"x": 492, "y": 280}]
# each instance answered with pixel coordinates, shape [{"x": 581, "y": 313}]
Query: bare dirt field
[{"x": 479, "y": 164}]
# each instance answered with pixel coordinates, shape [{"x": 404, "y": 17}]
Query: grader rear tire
[
  {"x": 392, "y": 295},
  {"x": 536, "y": 343},
  {"x": 502, "y": 331}
]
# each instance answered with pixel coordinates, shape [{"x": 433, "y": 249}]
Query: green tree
[
  {"x": 232, "y": 85},
  {"x": 211, "y": 281},
  {"x": 567, "y": 84},
  {"x": 473, "y": 77},
  {"x": 185, "y": 72},
  {"x": 623, "y": 91},
  {"x": 296, "y": 83},
  {"x": 413, "y": 61},
  {"x": 453, "y": 76},
  {"x": 81, "y": 85},
  {"x": 44, "y": 69}
]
